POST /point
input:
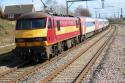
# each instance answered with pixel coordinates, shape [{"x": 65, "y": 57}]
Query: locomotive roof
[{"x": 34, "y": 15}]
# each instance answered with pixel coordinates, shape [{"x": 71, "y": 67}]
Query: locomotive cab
[
  {"x": 31, "y": 36},
  {"x": 30, "y": 30}
]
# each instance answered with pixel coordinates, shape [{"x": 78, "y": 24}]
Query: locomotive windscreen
[{"x": 30, "y": 24}]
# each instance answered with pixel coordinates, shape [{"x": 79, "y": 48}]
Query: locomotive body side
[
  {"x": 64, "y": 28},
  {"x": 42, "y": 36}
]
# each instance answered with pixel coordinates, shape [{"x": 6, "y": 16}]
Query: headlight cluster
[
  {"x": 19, "y": 40},
  {"x": 38, "y": 39}
]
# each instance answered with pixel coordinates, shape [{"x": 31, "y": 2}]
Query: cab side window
[
  {"x": 49, "y": 24},
  {"x": 58, "y": 25}
]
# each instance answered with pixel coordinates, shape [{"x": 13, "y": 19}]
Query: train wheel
[
  {"x": 77, "y": 40},
  {"x": 60, "y": 48},
  {"x": 45, "y": 56},
  {"x": 48, "y": 54},
  {"x": 80, "y": 39},
  {"x": 64, "y": 45},
  {"x": 74, "y": 42},
  {"x": 36, "y": 59}
]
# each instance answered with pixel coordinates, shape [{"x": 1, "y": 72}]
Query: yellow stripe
[
  {"x": 31, "y": 33},
  {"x": 68, "y": 29},
  {"x": 20, "y": 44},
  {"x": 30, "y": 44}
]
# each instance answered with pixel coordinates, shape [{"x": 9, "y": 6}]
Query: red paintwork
[
  {"x": 67, "y": 35},
  {"x": 65, "y": 22},
  {"x": 51, "y": 34},
  {"x": 70, "y": 21}
]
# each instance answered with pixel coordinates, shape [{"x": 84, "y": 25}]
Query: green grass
[{"x": 117, "y": 21}]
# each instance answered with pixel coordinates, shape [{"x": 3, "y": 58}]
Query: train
[{"x": 42, "y": 36}]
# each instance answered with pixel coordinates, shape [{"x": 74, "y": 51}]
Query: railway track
[
  {"x": 16, "y": 74},
  {"x": 76, "y": 69},
  {"x": 25, "y": 73},
  {"x": 11, "y": 68},
  {"x": 19, "y": 74}
]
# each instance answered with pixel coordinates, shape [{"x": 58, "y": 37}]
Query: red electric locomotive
[{"x": 40, "y": 35}]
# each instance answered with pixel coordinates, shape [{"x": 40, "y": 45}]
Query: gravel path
[{"x": 112, "y": 67}]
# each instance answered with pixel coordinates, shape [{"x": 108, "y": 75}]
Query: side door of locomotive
[{"x": 51, "y": 31}]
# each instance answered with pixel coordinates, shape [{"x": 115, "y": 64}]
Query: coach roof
[{"x": 34, "y": 15}]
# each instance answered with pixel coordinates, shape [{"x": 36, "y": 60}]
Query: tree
[
  {"x": 0, "y": 11},
  {"x": 1, "y": 8},
  {"x": 55, "y": 7},
  {"x": 80, "y": 11},
  {"x": 59, "y": 9}
]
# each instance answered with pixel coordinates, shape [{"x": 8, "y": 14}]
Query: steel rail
[{"x": 93, "y": 60}]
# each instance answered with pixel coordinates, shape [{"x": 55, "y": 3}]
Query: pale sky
[{"x": 112, "y": 7}]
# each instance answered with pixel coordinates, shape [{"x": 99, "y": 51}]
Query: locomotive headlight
[
  {"x": 40, "y": 39},
  {"x": 19, "y": 40}
]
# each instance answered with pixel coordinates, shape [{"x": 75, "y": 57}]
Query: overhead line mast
[
  {"x": 103, "y": 5},
  {"x": 44, "y": 5},
  {"x": 69, "y": 1}
]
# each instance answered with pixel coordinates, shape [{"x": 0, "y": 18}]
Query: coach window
[
  {"x": 93, "y": 22},
  {"x": 49, "y": 24},
  {"x": 58, "y": 25}
]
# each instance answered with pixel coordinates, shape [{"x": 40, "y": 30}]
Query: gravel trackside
[
  {"x": 112, "y": 66},
  {"x": 42, "y": 73}
]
